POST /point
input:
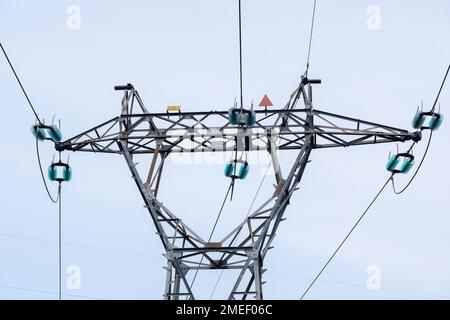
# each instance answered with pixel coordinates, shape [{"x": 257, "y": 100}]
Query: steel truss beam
[{"x": 161, "y": 134}]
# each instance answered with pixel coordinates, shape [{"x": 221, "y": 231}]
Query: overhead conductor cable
[{"x": 52, "y": 199}]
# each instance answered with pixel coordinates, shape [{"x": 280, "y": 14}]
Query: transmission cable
[
  {"x": 248, "y": 213},
  {"x": 20, "y": 84},
  {"x": 212, "y": 232},
  {"x": 240, "y": 55},
  {"x": 417, "y": 170},
  {"x": 242, "y": 103},
  {"x": 391, "y": 178},
  {"x": 54, "y": 200},
  {"x": 58, "y": 198},
  {"x": 59, "y": 241},
  {"x": 429, "y": 139},
  {"x": 347, "y": 236},
  {"x": 310, "y": 37},
  {"x": 440, "y": 89}
]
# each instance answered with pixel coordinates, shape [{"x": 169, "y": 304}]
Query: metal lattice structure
[{"x": 138, "y": 131}]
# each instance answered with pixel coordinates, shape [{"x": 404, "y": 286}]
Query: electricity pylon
[{"x": 160, "y": 134}]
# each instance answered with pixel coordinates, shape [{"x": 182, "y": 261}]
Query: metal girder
[
  {"x": 209, "y": 131},
  {"x": 191, "y": 132},
  {"x": 245, "y": 247}
]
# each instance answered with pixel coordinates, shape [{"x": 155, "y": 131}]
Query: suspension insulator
[
  {"x": 392, "y": 163},
  {"x": 67, "y": 173},
  {"x": 250, "y": 118},
  {"x": 52, "y": 173},
  {"x": 407, "y": 165},
  {"x": 233, "y": 116},
  {"x": 418, "y": 120},
  {"x": 38, "y": 133},
  {"x": 400, "y": 163},
  {"x": 237, "y": 116},
  {"x": 243, "y": 171},
  {"x": 44, "y": 132},
  {"x": 55, "y": 134},
  {"x": 427, "y": 120},
  {"x": 60, "y": 172},
  {"x": 229, "y": 169},
  {"x": 436, "y": 121},
  {"x": 241, "y": 168}
]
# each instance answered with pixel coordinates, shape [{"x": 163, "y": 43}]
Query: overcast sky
[{"x": 186, "y": 53}]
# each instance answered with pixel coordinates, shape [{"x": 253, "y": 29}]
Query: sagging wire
[
  {"x": 440, "y": 89},
  {"x": 240, "y": 55},
  {"x": 239, "y": 231},
  {"x": 310, "y": 38},
  {"x": 60, "y": 240},
  {"x": 417, "y": 170},
  {"x": 391, "y": 178},
  {"x": 346, "y": 237},
  {"x": 429, "y": 139},
  {"x": 52, "y": 199},
  {"x": 233, "y": 179},
  {"x": 20, "y": 84},
  {"x": 212, "y": 232}
]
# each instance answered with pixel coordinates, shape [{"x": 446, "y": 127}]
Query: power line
[
  {"x": 20, "y": 84},
  {"x": 237, "y": 235},
  {"x": 59, "y": 240},
  {"x": 391, "y": 178},
  {"x": 212, "y": 231},
  {"x": 82, "y": 246},
  {"x": 240, "y": 54},
  {"x": 159, "y": 258},
  {"x": 242, "y": 104},
  {"x": 47, "y": 291},
  {"x": 417, "y": 170},
  {"x": 429, "y": 139},
  {"x": 220, "y": 213},
  {"x": 54, "y": 200},
  {"x": 350, "y": 284},
  {"x": 310, "y": 37},
  {"x": 346, "y": 237},
  {"x": 440, "y": 89}
]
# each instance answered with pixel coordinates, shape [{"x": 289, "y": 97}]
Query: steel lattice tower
[{"x": 138, "y": 131}]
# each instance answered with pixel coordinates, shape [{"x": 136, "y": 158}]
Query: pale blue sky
[{"x": 185, "y": 52}]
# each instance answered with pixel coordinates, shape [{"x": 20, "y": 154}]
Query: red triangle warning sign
[{"x": 265, "y": 102}]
